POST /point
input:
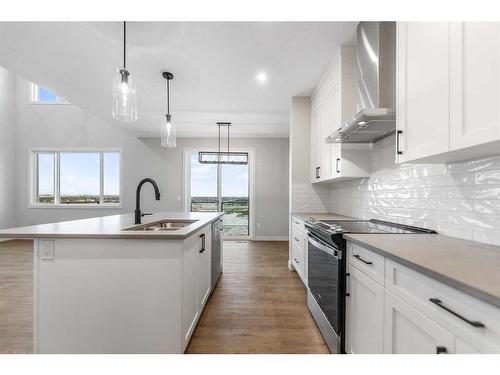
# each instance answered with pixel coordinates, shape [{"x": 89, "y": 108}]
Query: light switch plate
[{"x": 46, "y": 249}]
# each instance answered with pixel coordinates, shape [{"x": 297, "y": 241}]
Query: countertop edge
[
  {"x": 131, "y": 235},
  {"x": 453, "y": 283}
]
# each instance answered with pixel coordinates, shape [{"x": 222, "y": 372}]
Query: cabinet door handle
[
  {"x": 438, "y": 303},
  {"x": 296, "y": 261},
  {"x": 441, "y": 350},
  {"x": 296, "y": 239},
  {"x": 398, "y": 133},
  {"x": 347, "y": 294},
  {"x": 318, "y": 172},
  {"x": 337, "y": 165},
  {"x": 361, "y": 259},
  {"x": 202, "y": 236}
]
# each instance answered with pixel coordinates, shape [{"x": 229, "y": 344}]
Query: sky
[
  {"x": 204, "y": 179},
  {"x": 79, "y": 173}
]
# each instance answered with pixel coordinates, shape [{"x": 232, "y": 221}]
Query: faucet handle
[{"x": 146, "y": 213}]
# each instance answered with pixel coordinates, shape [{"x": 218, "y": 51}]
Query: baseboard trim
[{"x": 271, "y": 238}]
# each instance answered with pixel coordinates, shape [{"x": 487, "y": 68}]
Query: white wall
[
  {"x": 7, "y": 148},
  {"x": 458, "y": 199},
  {"x": 69, "y": 126}
]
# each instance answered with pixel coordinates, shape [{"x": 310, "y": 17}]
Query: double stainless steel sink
[{"x": 163, "y": 225}]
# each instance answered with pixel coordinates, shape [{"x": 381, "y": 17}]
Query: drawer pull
[
  {"x": 361, "y": 259},
  {"x": 438, "y": 302},
  {"x": 441, "y": 350},
  {"x": 296, "y": 222}
]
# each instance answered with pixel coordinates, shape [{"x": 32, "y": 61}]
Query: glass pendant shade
[
  {"x": 124, "y": 97},
  {"x": 168, "y": 133}
]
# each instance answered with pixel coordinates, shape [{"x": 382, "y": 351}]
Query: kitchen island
[{"x": 106, "y": 285}]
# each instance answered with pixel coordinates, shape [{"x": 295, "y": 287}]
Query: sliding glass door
[{"x": 220, "y": 188}]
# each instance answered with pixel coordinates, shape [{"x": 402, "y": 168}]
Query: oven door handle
[{"x": 324, "y": 248}]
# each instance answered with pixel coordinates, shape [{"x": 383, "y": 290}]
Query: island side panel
[{"x": 109, "y": 296}]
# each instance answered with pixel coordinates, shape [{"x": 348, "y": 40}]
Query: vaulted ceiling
[{"x": 214, "y": 64}]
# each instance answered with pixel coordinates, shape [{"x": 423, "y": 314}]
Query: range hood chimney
[{"x": 375, "y": 86}]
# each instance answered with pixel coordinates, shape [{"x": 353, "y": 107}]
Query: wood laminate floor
[
  {"x": 16, "y": 297},
  {"x": 259, "y": 306}
]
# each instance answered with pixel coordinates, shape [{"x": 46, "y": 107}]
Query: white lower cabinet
[
  {"x": 407, "y": 331},
  {"x": 204, "y": 268},
  {"x": 298, "y": 248},
  {"x": 391, "y": 308},
  {"x": 196, "y": 279},
  {"x": 365, "y": 314},
  {"x": 461, "y": 347}
]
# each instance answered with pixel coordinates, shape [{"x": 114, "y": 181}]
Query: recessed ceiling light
[{"x": 261, "y": 77}]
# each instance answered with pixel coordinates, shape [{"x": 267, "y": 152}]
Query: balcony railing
[{"x": 236, "y": 218}]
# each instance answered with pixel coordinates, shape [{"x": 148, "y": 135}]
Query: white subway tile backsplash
[
  {"x": 458, "y": 199},
  {"x": 486, "y": 235},
  {"x": 487, "y": 207},
  {"x": 487, "y": 177},
  {"x": 474, "y": 192},
  {"x": 452, "y": 179},
  {"x": 475, "y": 165}
]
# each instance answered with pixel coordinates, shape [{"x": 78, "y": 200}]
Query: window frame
[
  {"x": 33, "y": 178},
  {"x": 34, "y": 98}
]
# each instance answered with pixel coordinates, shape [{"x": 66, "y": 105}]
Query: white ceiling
[{"x": 214, "y": 64}]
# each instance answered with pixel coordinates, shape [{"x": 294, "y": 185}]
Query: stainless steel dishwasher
[{"x": 216, "y": 251}]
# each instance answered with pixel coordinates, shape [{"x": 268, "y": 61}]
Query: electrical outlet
[
  {"x": 46, "y": 249},
  {"x": 258, "y": 225},
  {"x": 179, "y": 198}
]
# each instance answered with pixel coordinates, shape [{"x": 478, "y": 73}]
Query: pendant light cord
[
  {"x": 218, "y": 147},
  {"x": 124, "y": 44}
]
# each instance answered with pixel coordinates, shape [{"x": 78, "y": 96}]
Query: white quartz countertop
[{"x": 113, "y": 227}]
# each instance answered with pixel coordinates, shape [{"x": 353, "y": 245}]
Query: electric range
[{"x": 327, "y": 270}]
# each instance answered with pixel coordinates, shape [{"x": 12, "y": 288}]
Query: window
[
  {"x": 76, "y": 178},
  {"x": 221, "y": 187},
  {"x": 40, "y": 95}
]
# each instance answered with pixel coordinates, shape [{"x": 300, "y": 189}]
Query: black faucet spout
[{"x": 138, "y": 213}]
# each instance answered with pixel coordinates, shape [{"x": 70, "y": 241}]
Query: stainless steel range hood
[{"x": 375, "y": 86}]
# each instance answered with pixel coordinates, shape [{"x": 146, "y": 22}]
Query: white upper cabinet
[
  {"x": 325, "y": 149},
  {"x": 333, "y": 104},
  {"x": 448, "y": 91},
  {"x": 315, "y": 151},
  {"x": 475, "y": 103},
  {"x": 423, "y": 89}
]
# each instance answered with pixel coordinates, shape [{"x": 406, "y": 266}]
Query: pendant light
[
  {"x": 168, "y": 129},
  {"x": 223, "y": 157},
  {"x": 124, "y": 92}
]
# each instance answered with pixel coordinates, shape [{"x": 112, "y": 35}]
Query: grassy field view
[
  {"x": 236, "y": 216},
  {"x": 79, "y": 199}
]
